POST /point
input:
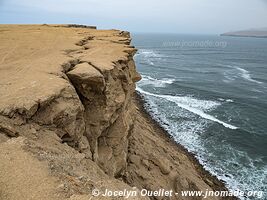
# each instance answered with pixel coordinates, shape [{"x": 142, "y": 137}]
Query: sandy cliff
[{"x": 70, "y": 121}]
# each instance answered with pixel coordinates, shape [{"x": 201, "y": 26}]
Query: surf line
[{"x": 188, "y": 108}]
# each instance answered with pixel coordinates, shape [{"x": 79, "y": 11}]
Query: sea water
[{"x": 210, "y": 94}]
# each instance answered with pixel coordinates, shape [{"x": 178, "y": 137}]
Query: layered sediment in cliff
[{"x": 70, "y": 122}]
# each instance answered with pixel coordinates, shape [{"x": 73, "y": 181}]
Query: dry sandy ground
[{"x": 22, "y": 176}]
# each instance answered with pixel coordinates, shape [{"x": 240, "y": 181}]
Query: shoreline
[{"x": 216, "y": 185}]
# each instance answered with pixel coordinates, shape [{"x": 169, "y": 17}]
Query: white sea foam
[
  {"x": 149, "y": 56},
  {"x": 192, "y": 105},
  {"x": 148, "y": 53},
  {"x": 188, "y": 133},
  {"x": 148, "y": 80},
  {"x": 245, "y": 74},
  {"x": 247, "y": 177},
  {"x": 229, "y": 100},
  {"x": 226, "y": 100}
]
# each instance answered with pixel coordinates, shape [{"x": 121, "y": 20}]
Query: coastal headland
[{"x": 72, "y": 125}]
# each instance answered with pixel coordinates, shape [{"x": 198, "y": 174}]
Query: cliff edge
[{"x": 71, "y": 123}]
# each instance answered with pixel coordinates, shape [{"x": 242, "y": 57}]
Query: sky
[{"x": 160, "y": 16}]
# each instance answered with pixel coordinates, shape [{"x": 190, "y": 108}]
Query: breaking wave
[
  {"x": 150, "y": 57},
  {"x": 246, "y": 75},
  {"x": 148, "y": 80},
  {"x": 198, "y": 107},
  {"x": 188, "y": 130},
  {"x": 239, "y": 72}
]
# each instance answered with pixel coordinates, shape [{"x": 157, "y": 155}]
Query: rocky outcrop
[
  {"x": 106, "y": 97},
  {"x": 67, "y": 104}
]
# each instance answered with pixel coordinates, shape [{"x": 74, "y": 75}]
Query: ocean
[{"x": 210, "y": 94}]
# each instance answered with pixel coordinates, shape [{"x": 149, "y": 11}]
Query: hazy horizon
[{"x": 170, "y": 16}]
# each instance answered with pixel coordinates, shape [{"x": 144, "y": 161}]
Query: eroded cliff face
[
  {"x": 93, "y": 106},
  {"x": 105, "y": 93},
  {"x": 67, "y": 104}
]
